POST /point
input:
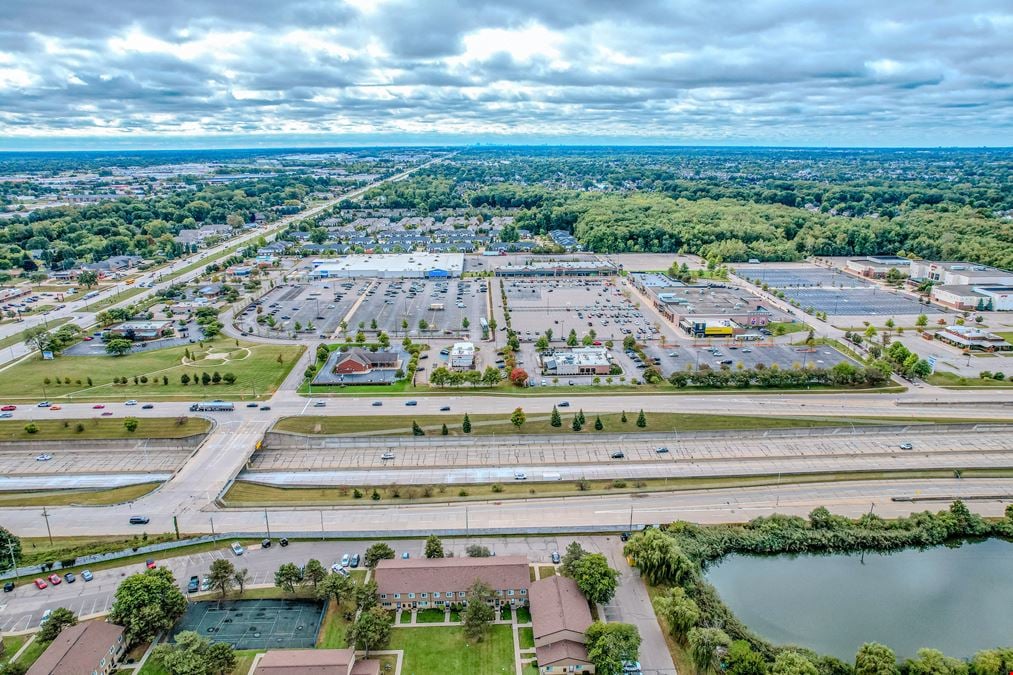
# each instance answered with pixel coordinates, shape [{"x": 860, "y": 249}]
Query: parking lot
[
  {"x": 442, "y": 303},
  {"x": 724, "y": 353},
  {"x": 802, "y": 277},
  {"x": 873, "y": 301},
  {"x": 321, "y": 305}
]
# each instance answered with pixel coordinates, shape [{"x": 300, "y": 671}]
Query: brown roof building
[
  {"x": 89, "y": 648},
  {"x": 357, "y": 360},
  {"x": 559, "y": 618},
  {"x": 315, "y": 662},
  {"x": 437, "y": 582}
]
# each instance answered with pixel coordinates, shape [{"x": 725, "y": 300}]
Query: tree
[
  {"x": 336, "y": 586},
  {"x": 793, "y": 663},
  {"x": 118, "y": 346},
  {"x": 576, "y": 425},
  {"x": 193, "y": 654},
  {"x": 922, "y": 321},
  {"x": 934, "y": 662},
  {"x": 314, "y": 573},
  {"x": 641, "y": 419},
  {"x": 518, "y": 377},
  {"x": 87, "y": 278},
  {"x": 555, "y": 420},
  {"x": 57, "y": 621},
  {"x": 466, "y": 424},
  {"x": 573, "y": 553},
  {"x": 598, "y": 426},
  {"x": 434, "y": 547},
  {"x": 147, "y": 604},
  {"x": 131, "y": 424},
  {"x": 229, "y": 378},
  {"x": 377, "y": 552},
  {"x": 184, "y": 379},
  {"x": 222, "y": 575},
  {"x": 742, "y": 660},
  {"x": 287, "y": 576},
  {"x": 875, "y": 659},
  {"x": 987, "y": 662},
  {"x": 423, "y": 324},
  {"x": 609, "y": 644},
  {"x": 372, "y": 629},
  {"x": 542, "y": 343},
  {"x": 517, "y": 417},
  {"x": 596, "y": 580},
  {"x": 571, "y": 339},
  {"x": 679, "y": 610},
  {"x": 479, "y": 613},
  {"x": 39, "y": 339},
  {"x": 241, "y": 577},
  {"x": 703, "y": 647},
  {"x": 10, "y": 548},
  {"x": 477, "y": 551},
  {"x": 444, "y": 431},
  {"x": 660, "y": 561},
  {"x": 417, "y": 430}
]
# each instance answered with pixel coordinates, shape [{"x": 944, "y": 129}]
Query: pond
[{"x": 957, "y": 600}]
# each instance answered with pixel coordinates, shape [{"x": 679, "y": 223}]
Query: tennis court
[{"x": 255, "y": 624}]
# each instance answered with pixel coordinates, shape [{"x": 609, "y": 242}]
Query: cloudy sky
[{"x": 118, "y": 73}]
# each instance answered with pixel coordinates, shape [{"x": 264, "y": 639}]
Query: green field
[
  {"x": 944, "y": 378},
  {"x": 102, "y": 427},
  {"x": 79, "y": 497},
  {"x": 441, "y": 650},
  {"x": 255, "y": 366},
  {"x": 35, "y": 550},
  {"x": 32, "y": 653},
  {"x": 539, "y": 423},
  {"x": 244, "y": 494}
]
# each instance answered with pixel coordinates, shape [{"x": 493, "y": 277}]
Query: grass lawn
[
  {"x": 103, "y": 427},
  {"x": 76, "y": 497},
  {"x": 539, "y": 423},
  {"x": 333, "y": 628},
  {"x": 153, "y": 666},
  {"x": 441, "y": 650},
  {"x": 546, "y": 571},
  {"x": 244, "y": 659},
  {"x": 245, "y": 494},
  {"x": 12, "y": 643},
  {"x": 523, "y": 615},
  {"x": 526, "y": 638},
  {"x": 35, "y": 550},
  {"x": 255, "y": 366},
  {"x": 114, "y": 299},
  {"x": 406, "y": 617},
  {"x": 788, "y": 327},
  {"x": 533, "y": 670},
  {"x": 430, "y": 616},
  {"x": 32, "y": 653},
  {"x": 505, "y": 614},
  {"x": 944, "y": 378}
]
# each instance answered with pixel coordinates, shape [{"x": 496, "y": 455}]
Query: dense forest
[{"x": 736, "y": 204}]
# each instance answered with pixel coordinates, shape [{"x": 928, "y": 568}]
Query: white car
[
  {"x": 387, "y": 455},
  {"x": 131, "y": 402},
  {"x": 237, "y": 548},
  {"x": 44, "y": 457}
]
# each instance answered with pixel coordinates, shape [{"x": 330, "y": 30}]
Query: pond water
[{"x": 957, "y": 600}]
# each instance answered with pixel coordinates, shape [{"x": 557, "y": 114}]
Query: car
[
  {"x": 147, "y": 406},
  {"x": 40, "y": 584},
  {"x": 8, "y": 586},
  {"x": 55, "y": 579},
  {"x": 906, "y": 446},
  {"x": 354, "y": 562},
  {"x": 194, "y": 585},
  {"x": 130, "y": 402},
  {"x": 45, "y": 616},
  {"x": 265, "y": 407},
  {"x": 520, "y": 475},
  {"x": 8, "y": 407},
  {"x": 69, "y": 577},
  {"x": 631, "y": 668},
  {"x": 345, "y": 559},
  {"x": 107, "y": 413},
  {"x": 87, "y": 338},
  {"x": 387, "y": 455},
  {"x": 563, "y": 404},
  {"x": 555, "y": 557},
  {"x": 618, "y": 454},
  {"x": 5, "y": 415},
  {"x": 411, "y": 403},
  {"x": 445, "y": 408},
  {"x": 727, "y": 362},
  {"x": 150, "y": 564},
  {"x": 319, "y": 404},
  {"x": 283, "y": 542},
  {"x": 405, "y": 556},
  {"x": 139, "y": 520},
  {"x": 44, "y": 404},
  {"x": 205, "y": 583},
  {"x": 87, "y": 575},
  {"x": 338, "y": 569},
  {"x": 56, "y": 407},
  {"x": 377, "y": 404},
  {"x": 44, "y": 457},
  {"x": 661, "y": 450},
  {"x": 673, "y": 354},
  {"x": 237, "y": 548},
  {"x": 98, "y": 406},
  {"x": 252, "y": 405},
  {"x": 625, "y": 536}
]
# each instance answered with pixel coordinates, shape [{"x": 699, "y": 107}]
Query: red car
[
  {"x": 87, "y": 338},
  {"x": 7, "y": 408},
  {"x": 40, "y": 584},
  {"x": 55, "y": 579},
  {"x": 98, "y": 406},
  {"x": 151, "y": 564}
]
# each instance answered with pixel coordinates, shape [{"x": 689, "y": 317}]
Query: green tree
[
  {"x": 609, "y": 644},
  {"x": 641, "y": 419},
  {"x": 313, "y": 573},
  {"x": 987, "y": 662},
  {"x": 658, "y": 558},
  {"x": 479, "y": 613},
  {"x": 555, "y": 420},
  {"x": 287, "y": 576},
  {"x": 542, "y": 343},
  {"x": 742, "y": 660},
  {"x": 517, "y": 417},
  {"x": 377, "y": 552},
  {"x": 193, "y": 654},
  {"x": 131, "y": 424},
  {"x": 223, "y": 575},
  {"x": 434, "y": 547},
  {"x": 596, "y": 580},
  {"x": 10, "y": 548},
  {"x": 934, "y": 662},
  {"x": 417, "y": 430},
  {"x": 598, "y": 426},
  {"x": 477, "y": 551},
  {"x": 87, "y": 278},
  {"x": 793, "y": 663},
  {"x": 875, "y": 659},
  {"x": 118, "y": 346},
  {"x": 571, "y": 339},
  {"x": 922, "y": 321},
  {"x": 444, "y": 431},
  {"x": 576, "y": 425},
  {"x": 703, "y": 647},
  {"x": 679, "y": 610},
  {"x": 371, "y": 630},
  {"x": 57, "y": 621},
  {"x": 241, "y": 579},
  {"x": 147, "y": 604},
  {"x": 337, "y": 587},
  {"x": 466, "y": 424}
]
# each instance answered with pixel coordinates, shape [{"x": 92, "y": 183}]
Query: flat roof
[{"x": 394, "y": 262}]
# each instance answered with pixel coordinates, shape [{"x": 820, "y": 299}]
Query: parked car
[
  {"x": 87, "y": 575},
  {"x": 55, "y": 579},
  {"x": 265, "y": 543},
  {"x": 69, "y": 577},
  {"x": 194, "y": 585},
  {"x": 906, "y": 446},
  {"x": 205, "y": 583},
  {"x": 45, "y": 616},
  {"x": 8, "y": 586},
  {"x": 405, "y": 555},
  {"x": 345, "y": 559},
  {"x": 555, "y": 557},
  {"x": 40, "y": 584},
  {"x": 283, "y": 542},
  {"x": 237, "y": 548},
  {"x": 625, "y": 536},
  {"x": 150, "y": 564},
  {"x": 354, "y": 562}
]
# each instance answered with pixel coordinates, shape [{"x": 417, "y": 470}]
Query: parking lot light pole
[{"x": 267, "y": 522}]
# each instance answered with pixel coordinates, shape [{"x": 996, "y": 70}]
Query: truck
[
  {"x": 436, "y": 306},
  {"x": 212, "y": 406}
]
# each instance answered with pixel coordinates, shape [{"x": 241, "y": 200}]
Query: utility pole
[
  {"x": 14, "y": 562},
  {"x": 212, "y": 519},
  {"x": 45, "y": 514},
  {"x": 267, "y": 522}
]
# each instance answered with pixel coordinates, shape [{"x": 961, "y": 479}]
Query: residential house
[
  {"x": 439, "y": 582},
  {"x": 560, "y": 617},
  {"x": 88, "y": 648}
]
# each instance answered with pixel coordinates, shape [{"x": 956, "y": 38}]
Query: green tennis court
[{"x": 255, "y": 624}]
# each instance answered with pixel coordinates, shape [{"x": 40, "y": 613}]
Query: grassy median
[
  {"x": 102, "y": 428},
  {"x": 244, "y": 494},
  {"x": 76, "y": 497}
]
